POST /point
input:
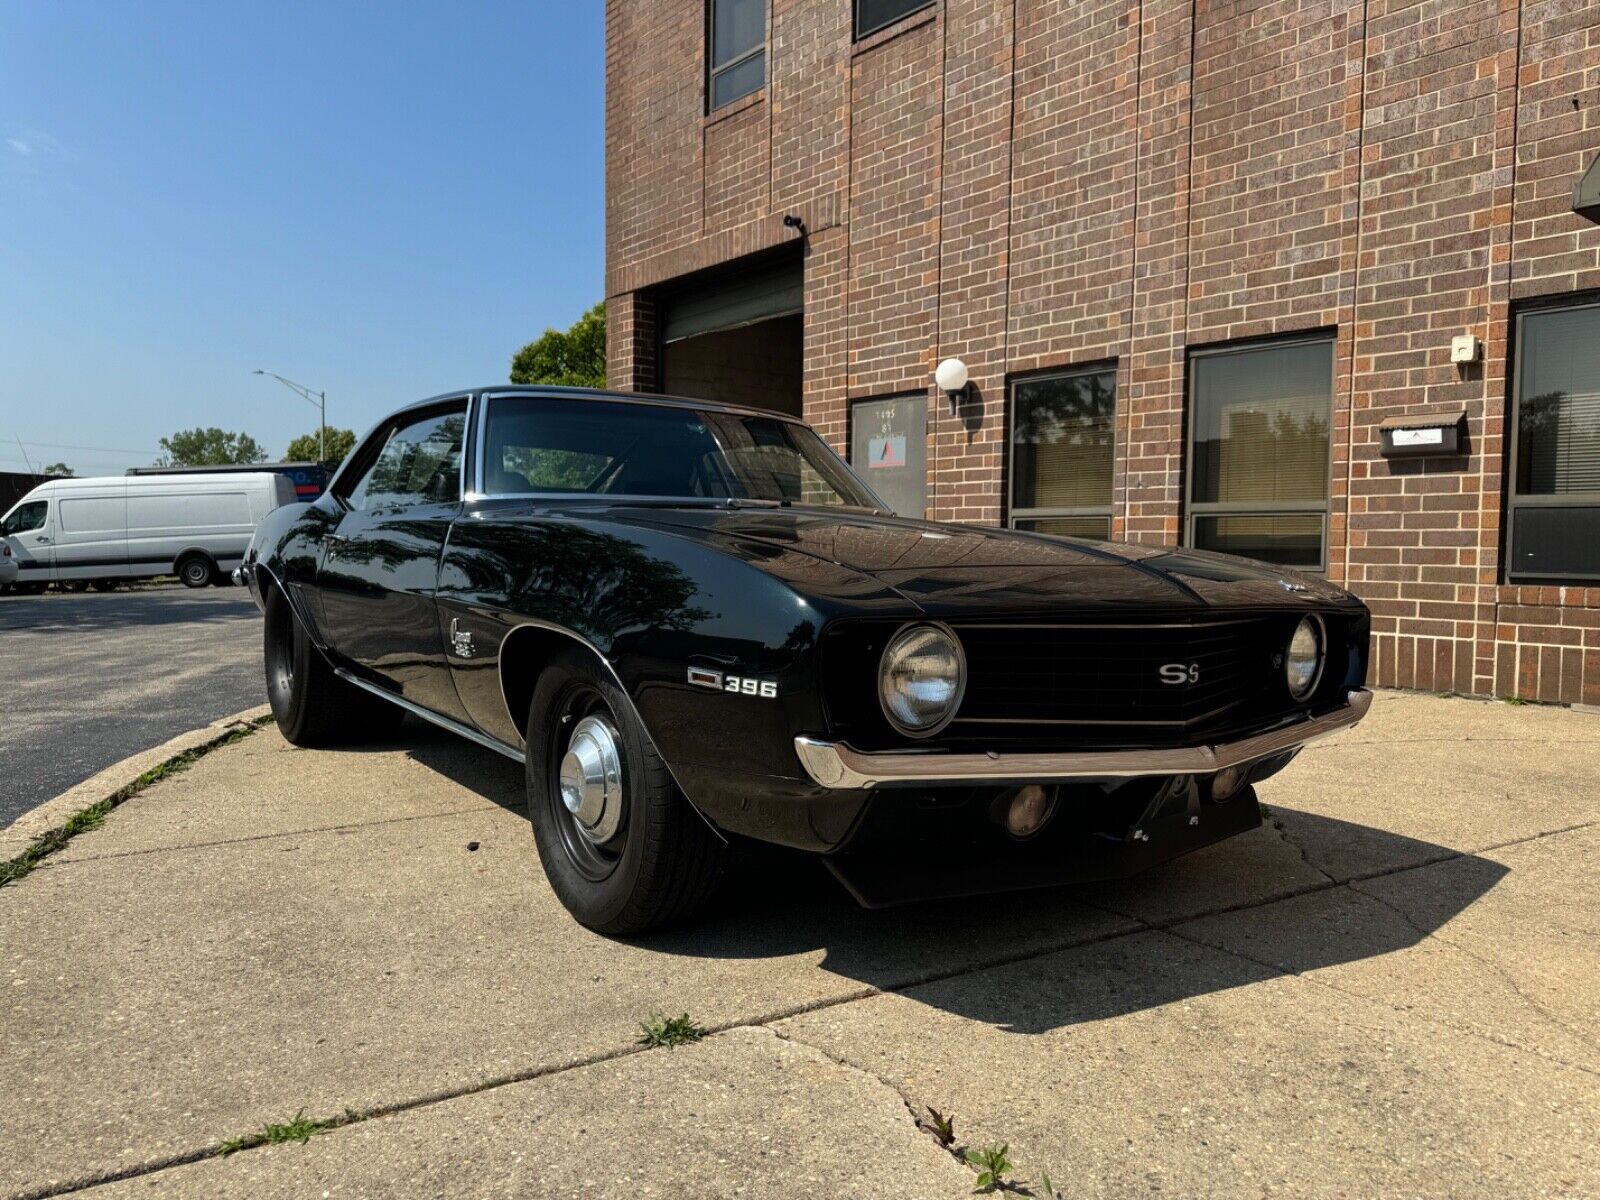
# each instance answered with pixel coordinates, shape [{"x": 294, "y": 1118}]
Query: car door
[
  {"x": 30, "y": 530},
  {"x": 380, "y": 565},
  {"x": 91, "y": 536}
]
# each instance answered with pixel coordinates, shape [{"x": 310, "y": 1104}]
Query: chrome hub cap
[{"x": 591, "y": 780}]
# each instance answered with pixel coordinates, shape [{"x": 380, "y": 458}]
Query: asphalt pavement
[{"x": 88, "y": 679}]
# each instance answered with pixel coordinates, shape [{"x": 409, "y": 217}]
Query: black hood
[{"x": 954, "y": 571}]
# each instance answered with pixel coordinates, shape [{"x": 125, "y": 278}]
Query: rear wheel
[
  {"x": 196, "y": 571},
  {"x": 312, "y": 705},
  {"x": 621, "y": 846},
  {"x": 31, "y": 588}
]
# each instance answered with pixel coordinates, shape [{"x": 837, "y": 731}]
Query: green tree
[
  {"x": 209, "y": 448},
  {"x": 304, "y": 447},
  {"x": 572, "y": 358},
  {"x": 60, "y": 470}
]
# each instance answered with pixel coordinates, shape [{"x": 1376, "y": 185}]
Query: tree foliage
[
  {"x": 574, "y": 357},
  {"x": 305, "y": 447},
  {"x": 209, "y": 448},
  {"x": 60, "y": 470}
]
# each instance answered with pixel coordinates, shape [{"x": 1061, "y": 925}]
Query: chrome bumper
[{"x": 835, "y": 765}]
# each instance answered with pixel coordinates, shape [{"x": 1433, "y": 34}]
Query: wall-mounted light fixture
[
  {"x": 951, "y": 376},
  {"x": 795, "y": 222}
]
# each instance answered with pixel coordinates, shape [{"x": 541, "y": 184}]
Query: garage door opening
[{"x": 737, "y": 337}]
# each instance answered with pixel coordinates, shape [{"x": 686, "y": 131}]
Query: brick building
[{"x": 1204, "y": 259}]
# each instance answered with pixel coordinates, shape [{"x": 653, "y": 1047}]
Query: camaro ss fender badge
[
  {"x": 460, "y": 639},
  {"x": 1176, "y": 673},
  {"x": 1290, "y": 585},
  {"x": 743, "y": 685}
]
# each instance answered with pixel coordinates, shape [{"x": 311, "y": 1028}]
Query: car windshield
[{"x": 541, "y": 444}]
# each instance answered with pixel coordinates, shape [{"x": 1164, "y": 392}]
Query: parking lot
[
  {"x": 1386, "y": 990},
  {"x": 91, "y": 678}
]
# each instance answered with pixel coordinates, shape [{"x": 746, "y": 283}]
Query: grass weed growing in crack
[
  {"x": 298, "y": 1128},
  {"x": 940, "y": 1126},
  {"x": 993, "y": 1164},
  {"x": 93, "y": 816},
  {"x": 662, "y": 1030}
]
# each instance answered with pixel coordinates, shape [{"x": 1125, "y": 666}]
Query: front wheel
[
  {"x": 620, "y": 844},
  {"x": 312, "y": 705}
]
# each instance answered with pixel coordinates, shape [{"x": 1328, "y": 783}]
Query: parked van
[{"x": 103, "y": 531}]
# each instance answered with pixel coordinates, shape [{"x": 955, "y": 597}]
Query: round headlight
[
  {"x": 920, "y": 679},
  {"x": 1302, "y": 665}
]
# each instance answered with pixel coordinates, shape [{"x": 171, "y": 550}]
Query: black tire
[
  {"x": 73, "y": 586},
  {"x": 312, "y": 705},
  {"x": 196, "y": 571},
  {"x": 664, "y": 861},
  {"x": 31, "y": 588}
]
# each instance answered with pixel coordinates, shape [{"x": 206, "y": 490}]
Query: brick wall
[{"x": 1032, "y": 184}]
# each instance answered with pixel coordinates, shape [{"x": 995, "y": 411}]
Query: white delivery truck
[{"x": 77, "y": 532}]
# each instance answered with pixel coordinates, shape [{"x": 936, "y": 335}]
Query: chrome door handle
[{"x": 41, "y": 540}]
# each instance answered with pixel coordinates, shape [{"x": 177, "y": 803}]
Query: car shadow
[
  {"x": 84, "y": 612},
  {"x": 778, "y": 904}
]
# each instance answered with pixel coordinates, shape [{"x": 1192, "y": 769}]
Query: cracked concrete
[{"x": 1391, "y": 993}]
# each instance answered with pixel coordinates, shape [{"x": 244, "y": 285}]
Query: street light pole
[{"x": 320, "y": 399}]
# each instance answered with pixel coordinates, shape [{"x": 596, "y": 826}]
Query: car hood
[{"x": 951, "y": 571}]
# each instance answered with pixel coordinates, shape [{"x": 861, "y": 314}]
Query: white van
[{"x": 101, "y": 531}]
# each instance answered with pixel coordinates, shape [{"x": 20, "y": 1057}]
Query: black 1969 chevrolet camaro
[{"x": 692, "y": 623}]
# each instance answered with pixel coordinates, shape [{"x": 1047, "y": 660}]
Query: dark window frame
[
  {"x": 1511, "y": 463},
  {"x": 916, "y": 6},
  {"x": 1197, "y": 510},
  {"x": 715, "y": 69},
  {"x": 1014, "y": 513}
]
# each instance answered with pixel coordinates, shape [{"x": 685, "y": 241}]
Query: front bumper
[{"x": 836, "y": 765}]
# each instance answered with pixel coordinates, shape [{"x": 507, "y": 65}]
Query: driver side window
[
  {"x": 26, "y": 518},
  {"x": 420, "y": 463}
]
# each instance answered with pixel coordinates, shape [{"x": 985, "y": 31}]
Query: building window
[
  {"x": 1259, "y": 443},
  {"x": 738, "y": 52},
  {"x": 873, "y": 15},
  {"x": 1062, "y": 440},
  {"x": 1554, "y": 530}
]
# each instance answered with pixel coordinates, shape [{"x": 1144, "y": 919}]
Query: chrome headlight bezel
[
  {"x": 896, "y": 647},
  {"x": 1319, "y": 633}
]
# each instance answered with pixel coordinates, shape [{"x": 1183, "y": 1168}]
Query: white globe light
[{"x": 951, "y": 375}]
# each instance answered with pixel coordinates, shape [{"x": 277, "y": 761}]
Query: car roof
[{"x": 580, "y": 393}]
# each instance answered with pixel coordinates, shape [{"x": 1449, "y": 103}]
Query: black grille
[{"x": 1164, "y": 675}]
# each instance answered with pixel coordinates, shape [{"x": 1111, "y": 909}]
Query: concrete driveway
[
  {"x": 90, "y": 678},
  {"x": 1388, "y": 990}
]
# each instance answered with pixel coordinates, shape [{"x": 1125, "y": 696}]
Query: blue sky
[{"x": 383, "y": 201}]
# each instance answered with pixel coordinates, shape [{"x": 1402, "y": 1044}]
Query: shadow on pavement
[
  {"x": 88, "y": 611},
  {"x": 778, "y": 903}
]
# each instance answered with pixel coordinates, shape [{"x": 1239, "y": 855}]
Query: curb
[{"x": 54, "y": 812}]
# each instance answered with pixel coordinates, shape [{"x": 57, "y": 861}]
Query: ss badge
[
  {"x": 740, "y": 685},
  {"x": 1176, "y": 673}
]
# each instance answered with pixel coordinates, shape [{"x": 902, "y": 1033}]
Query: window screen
[
  {"x": 1062, "y": 441},
  {"x": 1555, "y": 494},
  {"x": 873, "y": 15},
  {"x": 1260, "y": 438},
  {"x": 738, "y": 54}
]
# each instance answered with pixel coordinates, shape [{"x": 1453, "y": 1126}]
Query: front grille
[
  {"x": 1097, "y": 684},
  {"x": 1177, "y": 676}
]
